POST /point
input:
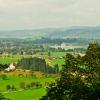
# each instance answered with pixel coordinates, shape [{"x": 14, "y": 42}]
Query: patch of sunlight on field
[
  {"x": 11, "y": 58},
  {"x": 34, "y": 94}
]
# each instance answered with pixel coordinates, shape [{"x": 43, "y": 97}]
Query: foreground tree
[
  {"x": 92, "y": 57},
  {"x": 77, "y": 82}
]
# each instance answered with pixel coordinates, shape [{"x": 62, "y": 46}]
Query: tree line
[{"x": 37, "y": 64}]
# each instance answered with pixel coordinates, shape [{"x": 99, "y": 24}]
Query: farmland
[
  {"x": 35, "y": 63},
  {"x": 29, "y": 94},
  {"x": 15, "y": 58}
]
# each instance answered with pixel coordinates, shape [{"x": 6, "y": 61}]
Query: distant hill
[
  {"x": 77, "y": 32},
  {"x": 91, "y": 33}
]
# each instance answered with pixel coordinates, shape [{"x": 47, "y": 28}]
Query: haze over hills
[{"x": 87, "y": 33}]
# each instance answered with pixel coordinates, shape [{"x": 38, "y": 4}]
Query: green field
[
  {"x": 60, "y": 62},
  {"x": 55, "y": 54},
  {"x": 58, "y": 54},
  {"x": 11, "y": 58},
  {"x": 27, "y": 94},
  {"x": 15, "y": 58},
  {"x": 35, "y": 94},
  {"x": 16, "y": 80}
]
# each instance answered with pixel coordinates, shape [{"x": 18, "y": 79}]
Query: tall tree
[{"x": 76, "y": 84}]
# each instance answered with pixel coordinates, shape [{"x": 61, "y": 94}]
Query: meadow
[
  {"x": 35, "y": 94},
  {"x": 15, "y": 58},
  {"x": 11, "y": 58},
  {"x": 26, "y": 94}
]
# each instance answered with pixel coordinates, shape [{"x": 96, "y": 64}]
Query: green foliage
[
  {"x": 8, "y": 87},
  {"x": 2, "y": 97},
  {"x": 56, "y": 68},
  {"x": 70, "y": 60},
  {"x": 37, "y": 64},
  {"x": 3, "y": 76},
  {"x": 92, "y": 57},
  {"x": 32, "y": 93},
  {"x": 22, "y": 85},
  {"x": 76, "y": 83},
  {"x": 3, "y": 66}
]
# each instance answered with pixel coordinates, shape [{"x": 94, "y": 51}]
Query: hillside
[{"x": 70, "y": 32}]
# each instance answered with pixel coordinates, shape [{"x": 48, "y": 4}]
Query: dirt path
[{"x": 12, "y": 91}]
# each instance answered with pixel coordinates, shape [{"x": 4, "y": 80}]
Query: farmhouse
[{"x": 11, "y": 67}]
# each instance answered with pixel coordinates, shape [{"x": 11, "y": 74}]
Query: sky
[{"x": 31, "y": 14}]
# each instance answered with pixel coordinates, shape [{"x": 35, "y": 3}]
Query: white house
[{"x": 11, "y": 67}]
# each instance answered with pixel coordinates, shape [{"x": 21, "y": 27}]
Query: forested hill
[{"x": 69, "y": 32}]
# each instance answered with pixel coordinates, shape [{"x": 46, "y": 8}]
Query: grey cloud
[{"x": 17, "y": 14}]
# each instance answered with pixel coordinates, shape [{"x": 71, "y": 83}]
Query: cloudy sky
[{"x": 29, "y": 14}]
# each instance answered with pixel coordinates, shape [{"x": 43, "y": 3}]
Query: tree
[
  {"x": 92, "y": 57},
  {"x": 2, "y": 97},
  {"x": 70, "y": 60},
  {"x": 77, "y": 83},
  {"x": 56, "y": 68},
  {"x": 32, "y": 84},
  {"x": 22, "y": 85},
  {"x": 28, "y": 86},
  {"x": 34, "y": 64},
  {"x": 13, "y": 88},
  {"x": 3, "y": 76},
  {"x": 8, "y": 87},
  {"x": 49, "y": 53}
]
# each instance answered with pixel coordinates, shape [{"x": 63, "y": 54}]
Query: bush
[
  {"x": 13, "y": 88},
  {"x": 2, "y": 97},
  {"x": 8, "y": 87},
  {"x": 22, "y": 85},
  {"x": 3, "y": 77}
]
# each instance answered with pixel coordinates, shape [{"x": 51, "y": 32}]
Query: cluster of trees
[
  {"x": 23, "y": 85},
  {"x": 80, "y": 77},
  {"x": 37, "y": 64},
  {"x": 31, "y": 85},
  {"x": 9, "y": 87},
  {"x": 2, "y": 97},
  {"x": 3, "y": 66},
  {"x": 3, "y": 77}
]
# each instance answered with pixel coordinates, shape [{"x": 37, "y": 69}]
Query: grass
[
  {"x": 34, "y": 94},
  {"x": 30, "y": 94},
  {"x": 60, "y": 62},
  {"x": 16, "y": 81},
  {"x": 15, "y": 58},
  {"x": 58, "y": 54},
  {"x": 54, "y": 54},
  {"x": 11, "y": 58}
]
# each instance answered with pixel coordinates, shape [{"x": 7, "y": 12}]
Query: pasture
[
  {"x": 35, "y": 94},
  {"x": 11, "y": 58},
  {"x": 16, "y": 80},
  {"x": 15, "y": 58},
  {"x": 26, "y": 94}
]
